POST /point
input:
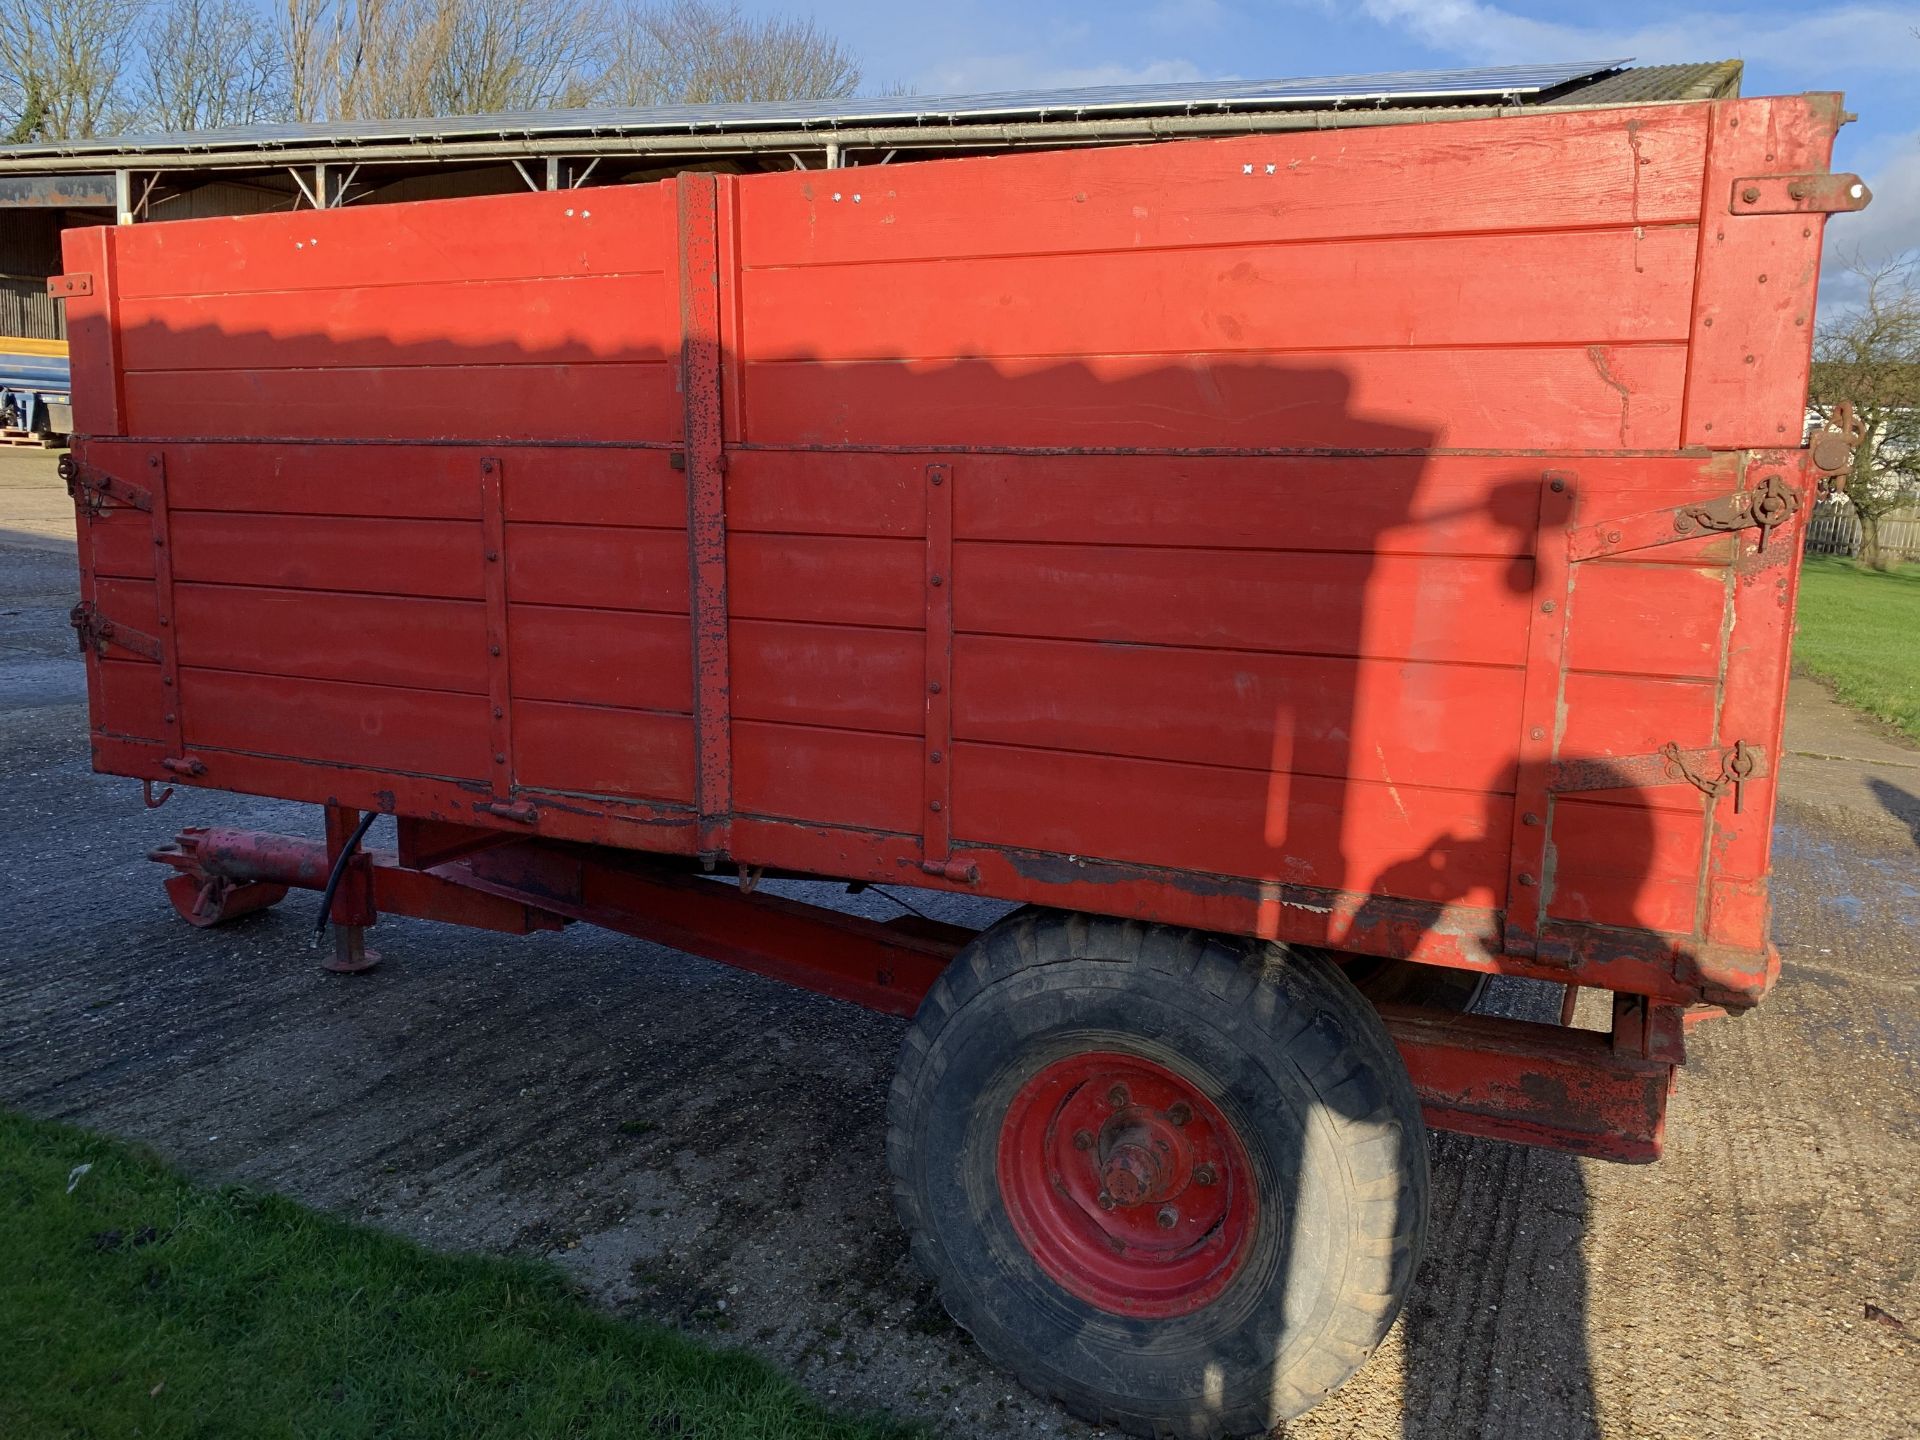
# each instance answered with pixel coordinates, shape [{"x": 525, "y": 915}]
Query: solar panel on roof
[{"x": 1199, "y": 96}]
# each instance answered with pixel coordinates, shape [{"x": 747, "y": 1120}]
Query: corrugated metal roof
[
  {"x": 1711, "y": 80},
  {"x": 1493, "y": 83}
]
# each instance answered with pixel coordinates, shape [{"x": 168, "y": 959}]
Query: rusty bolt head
[
  {"x": 1117, "y": 1095},
  {"x": 1750, "y": 194},
  {"x": 1546, "y": 607},
  {"x": 1613, "y": 537},
  {"x": 1180, "y": 1113},
  {"x": 1537, "y": 733},
  {"x": 1106, "y": 1201},
  {"x": 493, "y": 649},
  {"x": 937, "y": 580},
  {"x": 933, "y": 687},
  {"x": 1203, "y": 1175},
  {"x": 1167, "y": 1218},
  {"x": 1083, "y": 1140},
  {"x": 1557, "y": 486},
  {"x": 1526, "y": 880}
]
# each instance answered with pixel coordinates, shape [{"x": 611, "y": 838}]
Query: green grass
[
  {"x": 141, "y": 1304},
  {"x": 1860, "y": 632}
]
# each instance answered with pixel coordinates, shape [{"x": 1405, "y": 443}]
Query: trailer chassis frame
[{"x": 1595, "y": 1093}]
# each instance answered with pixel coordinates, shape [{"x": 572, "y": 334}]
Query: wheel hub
[{"x": 1127, "y": 1185}]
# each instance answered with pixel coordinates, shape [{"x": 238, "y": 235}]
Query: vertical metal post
[
  {"x": 703, "y": 437},
  {"x": 1529, "y": 876},
  {"x": 936, "y": 822},
  {"x": 123, "y": 197},
  {"x": 833, "y": 154},
  {"x": 553, "y": 172}
]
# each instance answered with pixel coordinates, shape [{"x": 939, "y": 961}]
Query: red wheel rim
[{"x": 1127, "y": 1186}]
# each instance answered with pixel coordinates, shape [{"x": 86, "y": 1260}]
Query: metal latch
[
  {"x": 1770, "y": 503},
  {"x": 96, "y": 632},
  {"x": 64, "y": 287},
  {"x": 93, "y": 488},
  {"x": 1713, "y": 770},
  {"x": 1798, "y": 194}
]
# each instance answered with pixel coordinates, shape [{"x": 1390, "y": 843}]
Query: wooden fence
[{"x": 1835, "y": 530}]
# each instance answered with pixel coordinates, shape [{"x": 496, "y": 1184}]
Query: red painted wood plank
[
  {"x": 595, "y": 487},
  {"x": 614, "y": 569},
  {"x": 374, "y": 727},
  {"x": 827, "y": 777},
  {"x": 832, "y": 675},
  {"x": 826, "y": 578},
  {"x": 1622, "y": 167},
  {"x": 120, "y": 540},
  {"x": 426, "y": 482},
  {"x": 548, "y": 321},
  {"x": 128, "y": 602},
  {"x": 1575, "y": 398},
  {"x": 99, "y": 406},
  {"x": 1385, "y": 721},
  {"x": 1557, "y": 288},
  {"x": 589, "y": 750},
  {"x": 1617, "y": 716},
  {"x": 1403, "y": 840},
  {"x": 601, "y": 657},
  {"x": 596, "y": 403},
  {"x": 1753, "y": 309},
  {"x": 439, "y": 558},
  {"x": 487, "y": 238},
  {"x": 379, "y": 639},
  {"x": 808, "y": 492},
  {"x": 1643, "y": 619},
  {"x": 128, "y": 698},
  {"x": 1628, "y": 865},
  {"x": 1397, "y": 504},
  {"x": 1401, "y": 607}
]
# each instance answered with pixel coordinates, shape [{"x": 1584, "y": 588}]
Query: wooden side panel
[
  {"x": 1753, "y": 312},
  {"x": 536, "y": 318}
]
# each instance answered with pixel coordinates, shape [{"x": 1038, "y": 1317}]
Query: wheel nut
[
  {"x": 1203, "y": 1174},
  {"x": 1117, "y": 1095},
  {"x": 1106, "y": 1201},
  {"x": 1168, "y": 1217},
  {"x": 1083, "y": 1140},
  {"x": 1180, "y": 1113}
]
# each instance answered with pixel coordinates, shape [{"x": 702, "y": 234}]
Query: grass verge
[
  {"x": 1860, "y": 632},
  {"x": 134, "y": 1302}
]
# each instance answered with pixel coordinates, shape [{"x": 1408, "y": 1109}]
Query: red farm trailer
[{"x": 1311, "y": 571}]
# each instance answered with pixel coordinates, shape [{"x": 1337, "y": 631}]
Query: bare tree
[
  {"x": 62, "y": 67},
  {"x": 697, "y": 52},
  {"x": 362, "y": 59},
  {"x": 210, "y": 63},
  {"x": 1870, "y": 356}
]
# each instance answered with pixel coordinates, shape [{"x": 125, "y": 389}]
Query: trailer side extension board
[{"x": 1582, "y": 1091}]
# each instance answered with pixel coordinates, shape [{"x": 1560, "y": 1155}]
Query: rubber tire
[
  {"x": 1406, "y": 982},
  {"x": 1300, "y": 1065}
]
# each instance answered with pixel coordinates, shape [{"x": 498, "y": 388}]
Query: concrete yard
[{"x": 703, "y": 1146}]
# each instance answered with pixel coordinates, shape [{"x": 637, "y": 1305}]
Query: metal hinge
[
  {"x": 93, "y": 488},
  {"x": 1798, "y": 194},
  {"x": 1713, "y": 770},
  {"x": 96, "y": 633},
  {"x": 64, "y": 287},
  {"x": 1831, "y": 447},
  {"x": 1769, "y": 504}
]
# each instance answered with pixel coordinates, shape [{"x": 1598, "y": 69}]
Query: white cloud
[
  {"x": 1886, "y": 229},
  {"x": 1842, "y": 38}
]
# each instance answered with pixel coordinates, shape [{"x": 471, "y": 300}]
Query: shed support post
[
  {"x": 553, "y": 172},
  {"x": 123, "y": 197}
]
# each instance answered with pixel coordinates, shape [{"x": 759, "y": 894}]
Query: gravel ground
[{"x": 703, "y": 1146}]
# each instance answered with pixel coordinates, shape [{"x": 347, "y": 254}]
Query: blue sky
[{"x": 1871, "y": 51}]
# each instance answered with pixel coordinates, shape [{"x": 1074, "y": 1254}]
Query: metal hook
[{"x": 147, "y": 795}]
